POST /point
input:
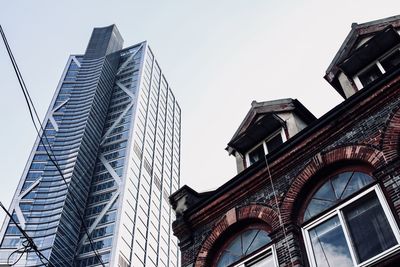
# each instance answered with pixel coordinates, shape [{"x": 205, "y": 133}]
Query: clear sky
[{"x": 218, "y": 56}]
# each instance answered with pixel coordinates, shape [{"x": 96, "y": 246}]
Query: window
[
  {"x": 378, "y": 68},
  {"x": 370, "y": 74},
  {"x": 266, "y": 146},
  {"x": 240, "y": 252},
  {"x": 348, "y": 229}
]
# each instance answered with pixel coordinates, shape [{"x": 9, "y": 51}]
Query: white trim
[
  {"x": 126, "y": 90},
  {"x": 338, "y": 212},
  {"x": 76, "y": 61},
  {"x": 116, "y": 122},
  {"x": 281, "y": 131},
  {"x": 346, "y": 233},
  {"x": 129, "y": 59},
  {"x": 110, "y": 169},
  {"x": 33, "y": 185},
  {"x": 128, "y": 162},
  {"x": 380, "y": 67},
  {"x": 269, "y": 250},
  {"x": 53, "y": 122},
  {"x": 59, "y": 106},
  {"x": 99, "y": 217},
  {"x": 377, "y": 62},
  {"x": 357, "y": 82}
]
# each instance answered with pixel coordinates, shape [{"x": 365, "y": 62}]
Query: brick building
[{"x": 310, "y": 192}]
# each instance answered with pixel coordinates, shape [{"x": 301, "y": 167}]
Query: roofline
[
  {"x": 299, "y": 109},
  {"x": 319, "y": 123}
]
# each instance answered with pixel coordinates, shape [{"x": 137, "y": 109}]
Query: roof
[
  {"x": 262, "y": 118},
  {"x": 357, "y": 32},
  {"x": 338, "y": 111}
]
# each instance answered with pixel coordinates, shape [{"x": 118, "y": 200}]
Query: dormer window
[
  {"x": 265, "y": 147},
  {"x": 381, "y": 66}
]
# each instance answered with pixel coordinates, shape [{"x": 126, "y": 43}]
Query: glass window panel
[
  {"x": 265, "y": 260},
  {"x": 315, "y": 207},
  {"x": 256, "y": 154},
  {"x": 357, "y": 181},
  {"x": 261, "y": 239},
  {"x": 242, "y": 245},
  {"x": 247, "y": 239},
  {"x": 369, "y": 228},
  {"x": 325, "y": 193},
  {"x": 370, "y": 75},
  {"x": 391, "y": 61},
  {"x": 274, "y": 142},
  {"x": 226, "y": 259},
  {"x": 329, "y": 244},
  {"x": 334, "y": 190},
  {"x": 339, "y": 183}
]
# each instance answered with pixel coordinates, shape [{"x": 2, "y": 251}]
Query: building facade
[
  {"x": 310, "y": 192},
  {"x": 113, "y": 129}
]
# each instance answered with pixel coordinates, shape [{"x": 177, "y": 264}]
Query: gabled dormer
[
  {"x": 369, "y": 54},
  {"x": 265, "y": 128}
]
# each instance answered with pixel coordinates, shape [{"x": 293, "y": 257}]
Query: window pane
[
  {"x": 273, "y": 143},
  {"x": 256, "y": 154},
  {"x": 339, "y": 183},
  {"x": 248, "y": 238},
  {"x": 370, "y": 75},
  {"x": 265, "y": 260},
  {"x": 329, "y": 244},
  {"x": 369, "y": 228},
  {"x": 335, "y": 190},
  {"x": 243, "y": 245},
  {"x": 326, "y": 193},
  {"x": 391, "y": 61},
  {"x": 357, "y": 181},
  {"x": 260, "y": 240},
  {"x": 316, "y": 206}
]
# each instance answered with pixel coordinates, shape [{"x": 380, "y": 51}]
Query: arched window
[
  {"x": 349, "y": 222},
  {"x": 240, "y": 250},
  {"x": 334, "y": 190}
]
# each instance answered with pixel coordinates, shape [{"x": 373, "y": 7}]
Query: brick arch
[
  {"x": 362, "y": 153},
  {"x": 233, "y": 216},
  {"x": 391, "y": 136}
]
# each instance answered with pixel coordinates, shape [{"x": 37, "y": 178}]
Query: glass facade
[{"x": 114, "y": 129}]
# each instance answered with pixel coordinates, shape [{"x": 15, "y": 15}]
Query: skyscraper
[{"x": 113, "y": 127}]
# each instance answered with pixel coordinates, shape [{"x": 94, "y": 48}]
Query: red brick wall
[{"x": 366, "y": 133}]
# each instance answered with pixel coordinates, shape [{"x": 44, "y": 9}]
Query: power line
[
  {"x": 28, "y": 245},
  {"x": 278, "y": 210},
  {"x": 52, "y": 157}
]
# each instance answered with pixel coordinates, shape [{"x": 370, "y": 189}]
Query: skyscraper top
[{"x": 104, "y": 41}]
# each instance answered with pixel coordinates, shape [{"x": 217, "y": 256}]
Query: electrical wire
[
  {"x": 278, "y": 210},
  {"x": 28, "y": 244},
  {"x": 31, "y": 107}
]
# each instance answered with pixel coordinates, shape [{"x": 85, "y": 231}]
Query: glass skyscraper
[{"x": 113, "y": 127}]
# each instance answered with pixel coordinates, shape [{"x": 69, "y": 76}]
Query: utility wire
[
  {"x": 52, "y": 157},
  {"x": 278, "y": 210},
  {"x": 28, "y": 245}
]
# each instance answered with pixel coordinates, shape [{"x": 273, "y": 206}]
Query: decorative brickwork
[
  {"x": 233, "y": 216},
  {"x": 361, "y": 153},
  {"x": 391, "y": 137},
  {"x": 360, "y": 134}
]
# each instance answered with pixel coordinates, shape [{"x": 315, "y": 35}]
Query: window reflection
[
  {"x": 243, "y": 245},
  {"x": 329, "y": 244},
  {"x": 334, "y": 190}
]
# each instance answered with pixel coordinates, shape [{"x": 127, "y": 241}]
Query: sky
[{"x": 217, "y": 55}]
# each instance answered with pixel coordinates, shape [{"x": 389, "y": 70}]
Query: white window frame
[
  {"x": 281, "y": 131},
  {"x": 268, "y": 250},
  {"x": 377, "y": 62},
  {"x": 338, "y": 212}
]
